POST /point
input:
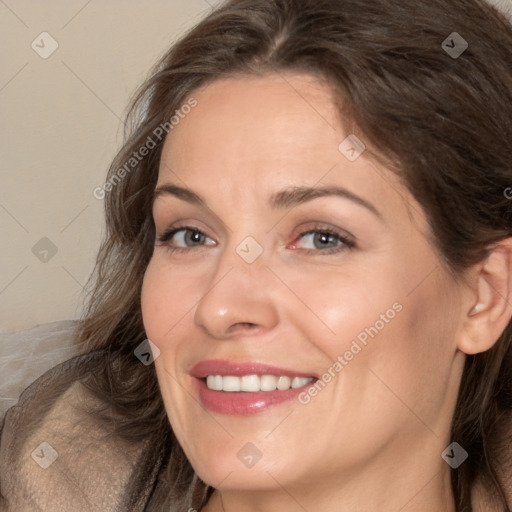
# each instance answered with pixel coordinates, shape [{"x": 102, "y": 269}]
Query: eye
[
  {"x": 183, "y": 238},
  {"x": 323, "y": 239}
]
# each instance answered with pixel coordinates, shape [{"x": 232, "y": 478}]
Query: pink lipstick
[{"x": 238, "y": 388}]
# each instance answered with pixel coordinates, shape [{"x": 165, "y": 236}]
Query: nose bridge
[
  {"x": 244, "y": 256},
  {"x": 239, "y": 292}
]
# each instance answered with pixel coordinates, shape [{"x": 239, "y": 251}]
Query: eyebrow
[{"x": 287, "y": 198}]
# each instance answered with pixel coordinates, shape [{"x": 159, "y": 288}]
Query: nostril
[{"x": 243, "y": 326}]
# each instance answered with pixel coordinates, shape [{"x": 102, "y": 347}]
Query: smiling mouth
[
  {"x": 255, "y": 383},
  {"x": 243, "y": 388}
]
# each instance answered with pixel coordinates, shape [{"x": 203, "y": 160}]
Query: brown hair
[{"x": 444, "y": 124}]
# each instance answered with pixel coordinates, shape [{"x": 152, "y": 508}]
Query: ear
[{"x": 488, "y": 300}]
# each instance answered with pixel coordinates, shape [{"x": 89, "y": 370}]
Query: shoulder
[{"x": 55, "y": 454}]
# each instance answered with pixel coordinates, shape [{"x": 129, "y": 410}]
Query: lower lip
[{"x": 239, "y": 403}]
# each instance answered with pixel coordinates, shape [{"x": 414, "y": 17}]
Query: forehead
[
  {"x": 279, "y": 113},
  {"x": 266, "y": 133}
]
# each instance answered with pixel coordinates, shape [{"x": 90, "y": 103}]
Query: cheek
[
  {"x": 154, "y": 301},
  {"x": 165, "y": 303},
  {"x": 343, "y": 306},
  {"x": 168, "y": 295},
  {"x": 410, "y": 361},
  {"x": 395, "y": 339}
]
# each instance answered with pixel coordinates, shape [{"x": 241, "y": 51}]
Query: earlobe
[{"x": 491, "y": 295}]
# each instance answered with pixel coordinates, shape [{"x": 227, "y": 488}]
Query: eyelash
[{"x": 346, "y": 242}]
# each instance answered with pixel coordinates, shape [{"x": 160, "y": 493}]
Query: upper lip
[{"x": 238, "y": 369}]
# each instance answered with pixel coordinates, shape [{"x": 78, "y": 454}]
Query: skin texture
[{"x": 372, "y": 438}]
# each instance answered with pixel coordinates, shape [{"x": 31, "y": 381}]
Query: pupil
[
  {"x": 323, "y": 238},
  {"x": 195, "y": 237}
]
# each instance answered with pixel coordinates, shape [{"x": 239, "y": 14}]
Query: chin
[{"x": 241, "y": 467}]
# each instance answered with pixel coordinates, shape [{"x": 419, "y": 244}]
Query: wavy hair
[{"x": 443, "y": 124}]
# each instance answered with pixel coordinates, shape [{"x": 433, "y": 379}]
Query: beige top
[{"x": 54, "y": 456}]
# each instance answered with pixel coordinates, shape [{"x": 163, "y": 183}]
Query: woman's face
[{"x": 295, "y": 259}]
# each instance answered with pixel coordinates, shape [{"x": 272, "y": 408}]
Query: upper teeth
[{"x": 253, "y": 383}]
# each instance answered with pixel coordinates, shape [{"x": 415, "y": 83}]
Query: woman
[{"x": 310, "y": 221}]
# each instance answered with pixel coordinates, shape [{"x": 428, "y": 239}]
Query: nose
[{"x": 238, "y": 300}]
